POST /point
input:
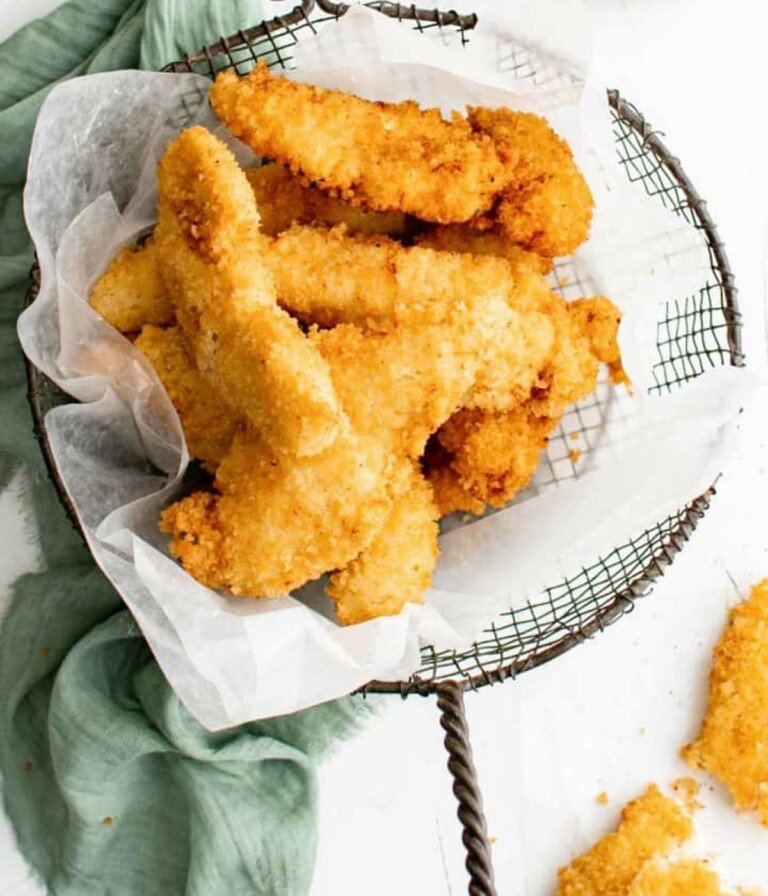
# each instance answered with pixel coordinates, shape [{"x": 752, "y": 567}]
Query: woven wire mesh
[{"x": 695, "y": 333}]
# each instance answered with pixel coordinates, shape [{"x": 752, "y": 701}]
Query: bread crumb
[
  {"x": 27, "y": 766},
  {"x": 687, "y": 789},
  {"x": 732, "y": 744},
  {"x": 650, "y": 827},
  {"x": 641, "y": 730},
  {"x": 44, "y": 651},
  {"x": 493, "y": 840},
  {"x": 107, "y": 820},
  {"x": 574, "y": 436},
  {"x": 602, "y": 799},
  {"x": 575, "y": 454}
]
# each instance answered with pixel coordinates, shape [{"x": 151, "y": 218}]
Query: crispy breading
[
  {"x": 732, "y": 743},
  {"x": 251, "y": 351},
  {"x": 130, "y": 293},
  {"x": 650, "y": 827},
  {"x": 208, "y": 422},
  {"x": 385, "y": 156},
  {"x": 279, "y": 521},
  {"x": 492, "y": 454},
  {"x": 284, "y": 200},
  {"x": 547, "y": 206},
  {"x": 464, "y": 238},
  {"x": 396, "y": 568},
  {"x": 686, "y": 877}
]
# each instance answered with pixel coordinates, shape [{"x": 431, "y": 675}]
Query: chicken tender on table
[
  {"x": 732, "y": 743},
  {"x": 384, "y": 156},
  {"x": 651, "y": 827},
  {"x": 210, "y": 260}
]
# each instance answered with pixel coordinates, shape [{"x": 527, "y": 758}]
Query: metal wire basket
[{"x": 698, "y": 332}]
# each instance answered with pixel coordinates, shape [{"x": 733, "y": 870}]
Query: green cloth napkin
[{"x": 111, "y": 786}]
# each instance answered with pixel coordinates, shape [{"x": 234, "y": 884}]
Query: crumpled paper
[{"x": 120, "y": 449}]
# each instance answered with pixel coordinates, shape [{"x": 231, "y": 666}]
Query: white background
[{"x": 612, "y": 714}]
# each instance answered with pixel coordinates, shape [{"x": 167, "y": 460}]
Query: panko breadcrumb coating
[
  {"x": 732, "y": 743},
  {"x": 250, "y": 350},
  {"x": 284, "y": 200},
  {"x": 278, "y": 521},
  {"x": 384, "y": 156},
  {"x": 650, "y": 827},
  {"x": 686, "y": 877},
  {"x": 547, "y": 206},
  {"x": 130, "y": 293},
  {"x": 396, "y": 568},
  {"x": 208, "y": 422},
  {"x": 463, "y": 238}
]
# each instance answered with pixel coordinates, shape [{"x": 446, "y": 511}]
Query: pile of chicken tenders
[{"x": 358, "y": 335}]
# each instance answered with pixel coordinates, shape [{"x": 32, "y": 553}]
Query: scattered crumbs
[
  {"x": 27, "y": 766},
  {"x": 575, "y": 454},
  {"x": 562, "y": 281},
  {"x": 642, "y": 730},
  {"x": 574, "y": 436},
  {"x": 44, "y": 651},
  {"x": 687, "y": 789},
  {"x": 107, "y": 820},
  {"x": 602, "y": 799},
  {"x": 493, "y": 840}
]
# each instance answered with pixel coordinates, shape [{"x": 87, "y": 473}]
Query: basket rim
[{"x": 642, "y": 584}]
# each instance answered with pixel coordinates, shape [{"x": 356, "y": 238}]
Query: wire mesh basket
[{"x": 697, "y": 332}]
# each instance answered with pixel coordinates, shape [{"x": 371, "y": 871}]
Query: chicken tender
[
  {"x": 732, "y": 744},
  {"x": 283, "y": 200},
  {"x": 208, "y": 422},
  {"x": 651, "y": 826},
  {"x": 130, "y": 293},
  {"x": 464, "y": 238},
  {"x": 383, "y": 156},
  {"x": 396, "y": 568},
  {"x": 276, "y": 521},
  {"x": 251, "y": 351},
  {"x": 547, "y": 206}
]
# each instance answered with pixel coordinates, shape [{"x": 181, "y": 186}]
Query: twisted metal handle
[{"x": 479, "y": 864}]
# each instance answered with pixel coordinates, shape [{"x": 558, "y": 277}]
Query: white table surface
[{"x": 610, "y": 715}]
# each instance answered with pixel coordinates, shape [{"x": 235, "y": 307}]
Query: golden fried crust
[
  {"x": 687, "y": 877},
  {"x": 396, "y": 568},
  {"x": 732, "y": 743},
  {"x": 208, "y": 422},
  {"x": 384, "y": 156},
  {"x": 283, "y": 200},
  {"x": 130, "y": 293},
  {"x": 493, "y": 455},
  {"x": 251, "y": 351},
  {"x": 464, "y": 238},
  {"x": 599, "y": 318},
  {"x": 650, "y": 827},
  {"x": 547, "y": 207}
]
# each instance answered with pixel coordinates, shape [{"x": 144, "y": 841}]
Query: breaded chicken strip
[
  {"x": 130, "y": 293},
  {"x": 397, "y": 566},
  {"x": 732, "y": 743},
  {"x": 208, "y": 422},
  {"x": 464, "y": 238},
  {"x": 210, "y": 259},
  {"x": 383, "y": 156},
  {"x": 547, "y": 206},
  {"x": 283, "y": 200},
  {"x": 277, "y": 521},
  {"x": 490, "y": 455},
  {"x": 651, "y": 826}
]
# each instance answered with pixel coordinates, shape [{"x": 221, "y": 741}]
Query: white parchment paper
[{"x": 121, "y": 453}]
